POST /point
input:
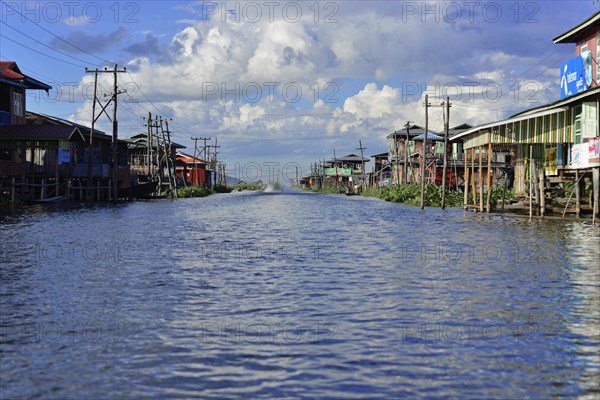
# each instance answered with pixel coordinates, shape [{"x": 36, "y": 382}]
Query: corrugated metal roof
[
  {"x": 414, "y": 130},
  {"x": 573, "y": 34},
  {"x": 45, "y": 132},
  {"x": 430, "y": 136}
]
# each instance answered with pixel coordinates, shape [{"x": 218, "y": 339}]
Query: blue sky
[{"x": 288, "y": 81}]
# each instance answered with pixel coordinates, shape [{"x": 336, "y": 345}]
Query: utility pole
[
  {"x": 336, "y": 171},
  {"x": 115, "y": 125},
  {"x": 424, "y": 152},
  {"x": 396, "y": 167},
  {"x": 446, "y": 133},
  {"x": 148, "y": 143},
  {"x": 214, "y": 160},
  {"x": 173, "y": 174},
  {"x": 91, "y": 148},
  {"x": 197, "y": 153},
  {"x": 406, "y": 151},
  {"x": 362, "y": 160}
]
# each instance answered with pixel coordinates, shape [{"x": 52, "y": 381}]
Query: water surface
[{"x": 296, "y": 295}]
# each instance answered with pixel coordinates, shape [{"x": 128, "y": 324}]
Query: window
[
  {"x": 598, "y": 59},
  {"x": 577, "y": 124},
  {"x": 18, "y": 104}
]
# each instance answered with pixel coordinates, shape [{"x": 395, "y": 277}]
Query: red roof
[
  {"x": 186, "y": 158},
  {"x": 9, "y": 71}
]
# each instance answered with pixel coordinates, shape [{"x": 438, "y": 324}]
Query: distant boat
[
  {"x": 143, "y": 189},
  {"x": 50, "y": 200}
]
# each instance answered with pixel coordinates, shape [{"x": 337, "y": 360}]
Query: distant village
[
  {"x": 545, "y": 152},
  {"x": 551, "y": 150}
]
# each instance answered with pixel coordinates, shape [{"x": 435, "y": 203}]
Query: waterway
[{"x": 299, "y": 295}]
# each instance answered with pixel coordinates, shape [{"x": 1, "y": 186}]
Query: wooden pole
[
  {"x": 12, "y": 190},
  {"x": 504, "y": 191},
  {"x": 596, "y": 190},
  {"x": 424, "y": 152},
  {"x": 57, "y": 186},
  {"x": 480, "y": 178},
  {"x": 446, "y": 133},
  {"x": 530, "y": 182},
  {"x": 90, "y": 171},
  {"x": 336, "y": 171},
  {"x": 541, "y": 186},
  {"x": 577, "y": 195},
  {"x": 473, "y": 187},
  {"x": 466, "y": 182},
  {"x": 489, "y": 174},
  {"x": 396, "y": 163},
  {"x": 406, "y": 152}
]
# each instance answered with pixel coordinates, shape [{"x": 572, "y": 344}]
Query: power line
[
  {"x": 56, "y": 36},
  {"x": 45, "y": 45},
  {"x": 39, "y": 52}
]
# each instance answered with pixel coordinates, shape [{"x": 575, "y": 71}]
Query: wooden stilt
[
  {"x": 13, "y": 185},
  {"x": 577, "y": 195},
  {"x": 504, "y": 191},
  {"x": 596, "y": 192},
  {"x": 530, "y": 182},
  {"x": 480, "y": 178},
  {"x": 542, "y": 186},
  {"x": 466, "y": 183},
  {"x": 57, "y": 174},
  {"x": 489, "y": 174},
  {"x": 534, "y": 183},
  {"x": 473, "y": 187}
]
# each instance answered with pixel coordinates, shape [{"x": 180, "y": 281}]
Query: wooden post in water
[
  {"x": 57, "y": 171},
  {"x": 466, "y": 182},
  {"x": 530, "y": 182},
  {"x": 446, "y": 132},
  {"x": 12, "y": 190},
  {"x": 480, "y": 178},
  {"x": 473, "y": 187},
  {"x": 489, "y": 173},
  {"x": 577, "y": 195},
  {"x": 424, "y": 151},
  {"x": 596, "y": 190},
  {"x": 542, "y": 186}
]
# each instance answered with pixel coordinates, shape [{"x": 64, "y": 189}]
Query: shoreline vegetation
[{"x": 410, "y": 194}]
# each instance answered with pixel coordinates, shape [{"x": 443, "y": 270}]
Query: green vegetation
[
  {"x": 197, "y": 191},
  {"x": 410, "y": 194},
  {"x": 222, "y": 189},
  {"x": 193, "y": 191}
]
